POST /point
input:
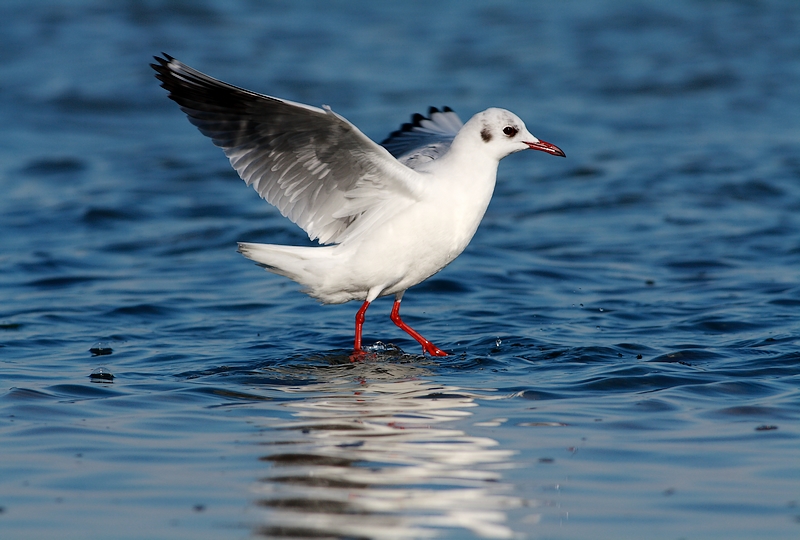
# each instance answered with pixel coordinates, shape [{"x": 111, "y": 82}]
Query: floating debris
[{"x": 766, "y": 428}]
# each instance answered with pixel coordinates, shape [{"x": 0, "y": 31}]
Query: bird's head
[{"x": 502, "y": 132}]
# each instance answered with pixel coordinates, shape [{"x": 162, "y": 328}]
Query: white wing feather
[
  {"x": 424, "y": 139},
  {"x": 317, "y": 168}
]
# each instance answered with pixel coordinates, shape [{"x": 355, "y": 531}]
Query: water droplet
[
  {"x": 601, "y": 309},
  {"x": 102, "y": 374},
  {"x": 100, "y": 349},
  {"x": 498, "y": 342},
  {"x": 381, "y": 347}
]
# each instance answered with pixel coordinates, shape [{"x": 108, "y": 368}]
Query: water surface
[{"x": 624, "y": 325}]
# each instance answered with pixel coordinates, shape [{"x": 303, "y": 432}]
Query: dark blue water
[{"x": 625, "y": 324}]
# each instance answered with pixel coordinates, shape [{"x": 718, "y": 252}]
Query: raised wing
[
  {"x": 424, "y": 139},
  {"x": 317, "y": 168}
]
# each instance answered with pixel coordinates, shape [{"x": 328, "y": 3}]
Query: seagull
[{"x": 387, "y": 216}]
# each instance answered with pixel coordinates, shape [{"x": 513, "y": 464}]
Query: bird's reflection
[{"x": 373, "y": 454}]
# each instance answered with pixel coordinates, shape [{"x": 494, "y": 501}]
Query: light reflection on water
[
  {"x": 645, "y": 290},
  {"x": 379, "y": 460}
]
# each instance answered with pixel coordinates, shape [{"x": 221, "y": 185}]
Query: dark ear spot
[{"x": 486, "y": 135}]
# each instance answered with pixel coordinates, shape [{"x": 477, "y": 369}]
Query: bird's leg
[
  {"x": 427, "y": 346},
  {"x": 359, "y": 325}
]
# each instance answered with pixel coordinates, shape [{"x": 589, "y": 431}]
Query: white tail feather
[{"x": 304, "y": 265}]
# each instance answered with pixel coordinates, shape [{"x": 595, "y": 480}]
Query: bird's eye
[{"x": 510, "y": 131}]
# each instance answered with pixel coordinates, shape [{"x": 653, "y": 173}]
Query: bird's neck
[
  {"x": 473, "y": 164},
  {"x": 466, "y": 181}
]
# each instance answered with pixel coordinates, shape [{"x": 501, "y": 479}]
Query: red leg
[
  {"x": 360, "y": 316},
  {"x": 427, "y": 346}
]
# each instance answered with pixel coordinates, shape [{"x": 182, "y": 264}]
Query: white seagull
[{"x": 388, "y": 215}]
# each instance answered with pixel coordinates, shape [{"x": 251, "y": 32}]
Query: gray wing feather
[
  {"x": 424, "y": 139},
  {"x": 317, "y": 168}
]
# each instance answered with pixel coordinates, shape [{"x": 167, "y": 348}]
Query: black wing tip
[
  {"x": 162, "y": 68},
  {"x": 416, "y": 121},
  {"x": 162, "y": 62},
  {"x": 416, "y": 118},
  {"x": 434, "y": 110},
  {"x": 186, "y": 83}
]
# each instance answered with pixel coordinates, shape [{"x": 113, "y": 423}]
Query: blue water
[{"x": 625, "y": 325}]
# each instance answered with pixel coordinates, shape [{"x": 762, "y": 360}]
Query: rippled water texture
[{"x": 624, "y": 326}]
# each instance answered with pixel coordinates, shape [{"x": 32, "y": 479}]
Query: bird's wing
[
  {"x": 424, "y": 139},
  {"x": 317, "y": 168}
]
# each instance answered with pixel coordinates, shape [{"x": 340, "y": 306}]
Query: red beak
[{"x": 546, "y": 147}]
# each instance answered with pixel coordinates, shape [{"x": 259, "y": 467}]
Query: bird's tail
[{"x": 300, "y": 264}]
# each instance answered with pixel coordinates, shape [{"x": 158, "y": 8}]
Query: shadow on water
[{"x": 368, "y": 451}]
